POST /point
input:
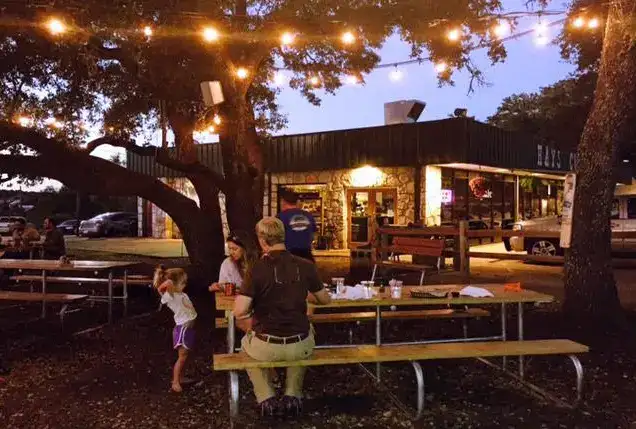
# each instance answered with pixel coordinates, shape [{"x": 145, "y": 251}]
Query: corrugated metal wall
[{"x": 455, "y": 140}]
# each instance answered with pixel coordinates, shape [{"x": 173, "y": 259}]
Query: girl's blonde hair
[{"x": 178, "y": 277}]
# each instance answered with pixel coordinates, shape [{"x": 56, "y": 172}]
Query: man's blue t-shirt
[{"x": 300, "y": 226}]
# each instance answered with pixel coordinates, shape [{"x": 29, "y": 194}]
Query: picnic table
[
  {"x": 45, "y": 267},
  {"x": 500, "y": 297}
]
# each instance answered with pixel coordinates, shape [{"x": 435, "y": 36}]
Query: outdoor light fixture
[
  {"x": 25, "y": 121},
  {"x": 593, "y": 23},
  {"x": 210, "y": 34},
  {"x": 314, "y": 81},
  {"x": 366, "y": 176},
  {"x": 242, "y": 73},
  {"x": 287, "y": 38},
  {"x": 579, "y": 22},
  {"x": 217, "y": 120},
  {"x": 348, "y": 37},
  {"x": 352, "y": 80},
  {"x": 441, "y": 67},
  {"x": 148, "y": 31},
  {"x": 56, "y": 27},
  {"x": 502, "y": 29},
  {"x": 396, "y": 75},
  {"x": 454, "y": 35},
  {"x": 279, "y": 79}
]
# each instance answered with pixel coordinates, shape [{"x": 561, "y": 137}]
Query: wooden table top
[
  {"x": 500, "y": 297},
  {"x": 54, "y": 265}
]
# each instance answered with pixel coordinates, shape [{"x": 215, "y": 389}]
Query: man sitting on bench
[{"x": 272, "y": 309}]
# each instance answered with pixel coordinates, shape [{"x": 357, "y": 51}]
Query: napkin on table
[
  {"x": 475, "y": 292},
  {"x": 353, "y": 293}
]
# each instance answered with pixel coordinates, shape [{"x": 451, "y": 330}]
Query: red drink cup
[{"x": 229, "y": 289}]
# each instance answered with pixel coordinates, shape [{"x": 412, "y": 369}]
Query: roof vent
[{"x": 403, "y": 112}]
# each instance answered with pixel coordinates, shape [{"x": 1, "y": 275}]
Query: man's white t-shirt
[
  {"x": 229, "y": 273},
  {"x": 181, "y": 306}
]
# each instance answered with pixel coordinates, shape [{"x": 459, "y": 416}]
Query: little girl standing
[{"x": 170, "y": 284}]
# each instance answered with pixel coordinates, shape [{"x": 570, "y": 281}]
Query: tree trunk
[
  {"x": 590, "y": 289},
  {"x": 243, "y": 166}
]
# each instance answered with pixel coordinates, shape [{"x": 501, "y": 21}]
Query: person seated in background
[
  {"x": 54, "y": 246},
  {"x": 271, "y": 308},
  {"x": 30, "y": 235},
  {"x": 19, "y": 244},
  {"x": 242, "y": 255}
]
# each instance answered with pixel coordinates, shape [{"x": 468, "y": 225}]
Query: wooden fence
[{"x": 461, "y": 252}]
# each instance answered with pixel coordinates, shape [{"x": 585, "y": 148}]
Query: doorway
[{"x": 369, "y": 208}]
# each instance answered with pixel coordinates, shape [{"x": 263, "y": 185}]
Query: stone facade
[{"x": 333, "y": 186}]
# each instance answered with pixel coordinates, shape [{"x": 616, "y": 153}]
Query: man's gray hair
[{"x": 271, "y": 230}]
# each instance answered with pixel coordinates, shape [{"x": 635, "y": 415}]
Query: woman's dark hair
[{"x": 247, "y": 243}]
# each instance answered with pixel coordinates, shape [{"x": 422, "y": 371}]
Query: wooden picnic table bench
[
  {"x": 405, "y": 353},
  {"x": 415, "y": 246},
  {"x": 58, "y": 298}
]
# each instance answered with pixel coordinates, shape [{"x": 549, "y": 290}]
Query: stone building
[{"x": 430, "y": 173}]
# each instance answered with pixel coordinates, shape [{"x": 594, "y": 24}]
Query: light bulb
[
  {"x": 242, "y": 73},
  {"x": 148, "y": 31},
  {"x": 210, "y": 34},
  {"x": 454, "y": 35},
  {"x": 211, "y": 129},
  {"x": 216, "y": 120},
  {"x": 25, "y": 121},
  {"x": 314, "y": 81},
  {"x": 352, "y": 80},
  {"x": 441, "y": 67},
  {"x": 279, "y": 78},
  {"x": 287, "y": 38},
  {"x": 578, "y": 22},
  {"x": 542, "y": 40},
  {"x": 396, "y": 75},
  {"x": 348, "y": 37},
  {"x": 56, "y": 27},
  {"x": 502, "y": 29},
  {"x": 541, "y": 32},
  {"x": 57, "y": 124},
  {"x": 593, "y": 23}
]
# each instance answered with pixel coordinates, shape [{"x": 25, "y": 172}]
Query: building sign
[
  {"x": 569, "y": 189},
  {"x": 551, "y": 158},
  {"x": 447, "y": 196}
]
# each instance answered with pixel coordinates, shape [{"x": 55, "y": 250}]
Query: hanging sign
[{"x": 569, "y": 189}]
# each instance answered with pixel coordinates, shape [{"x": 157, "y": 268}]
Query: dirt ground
[{"x": 118, "y": 376}]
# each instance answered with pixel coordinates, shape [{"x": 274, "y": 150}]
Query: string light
[
  {"x": 287, "y": 38},
  {"x": 57, "y": 124},
  {"x": 441, "y": 67},
  {"x": 25, "y": 121},
  {"x": 396, "y": 75},
  {"x": 578, "y": 22},
  {"x": 314, "y": 81},
  {"x": 279, "y": 78},
  {"x": 242, "y": 73},
  {"x": 593, "y": 23},
  {"x": 454, "y": 35},
  {"x": 211, "y": 129},
  {"x": 147, "y": 31},
  {"x": 216, "y": 120},
  {"x": 542, "y": 36},
  {"x": 210, "y": 34},
  {"x": 352, "y": 80},
  {"x": 348, "y": 38},
  {"x": 502, "y": 29},
  {"x": 56, "y": 27}
]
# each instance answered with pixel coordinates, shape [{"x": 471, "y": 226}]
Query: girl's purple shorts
[{"x": 183, "y": 336}]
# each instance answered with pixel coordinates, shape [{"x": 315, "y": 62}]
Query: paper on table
[
  {"x": 353, "y": 293},
  {"x": 475, "y": 292}
]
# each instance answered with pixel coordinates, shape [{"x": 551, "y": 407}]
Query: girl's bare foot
[{"x": 176, "y": 387}]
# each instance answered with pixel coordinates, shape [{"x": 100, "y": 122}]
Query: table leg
[
  {"x": 231, "y": 339},
  {"x": 378, "y": 340},
  {"x": 520, "y": 323},
  {"x": 43, "y": 294},
  {"x": 110, "y": 296},
  {"x": 503, "y": 332},
  {"x": 125, "y": 293}
]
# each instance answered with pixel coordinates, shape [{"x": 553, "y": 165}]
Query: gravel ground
[{"x": 119, "y": 377}]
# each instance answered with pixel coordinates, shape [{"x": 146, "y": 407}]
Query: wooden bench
[
  {"x": 405, "y": 353},
  {"x": 58, "y": 298},
  {"x": 415, "y": 246}
]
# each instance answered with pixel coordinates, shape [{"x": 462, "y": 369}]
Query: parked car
[
  {"x": 69, "y": 227},
  {"x": 109, "y": 225},
  {"x": 550, "y": 246},
  {"x": 7, "y": 223}
]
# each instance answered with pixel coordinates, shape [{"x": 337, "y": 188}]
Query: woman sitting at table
[
  {"x": 243, "y": 254},
  {"x": 272, "y": 309}
]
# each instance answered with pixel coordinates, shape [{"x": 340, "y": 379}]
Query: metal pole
[
  {"x": 378, "y": 339},
  {"x": 230, "y": 331},
  {"x": 43, "y": 294},
  {"x": 110, "y": 296},
  {"x": 125, "y": 293},
  {"x": 520, "y": 322},
  {"x": 503, "y": 331},
  {"x": 464, "y": 261}
]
